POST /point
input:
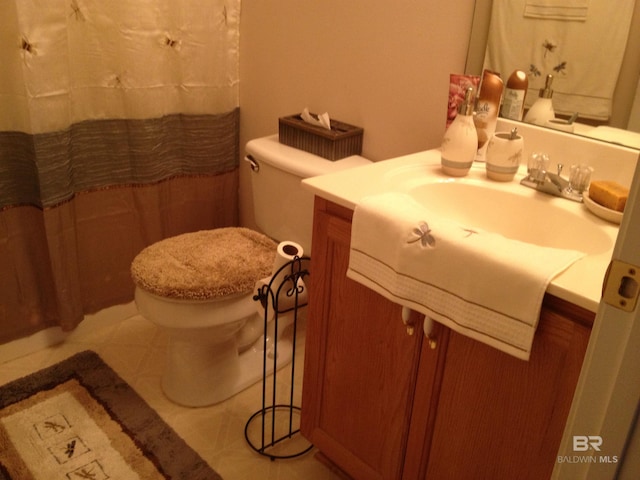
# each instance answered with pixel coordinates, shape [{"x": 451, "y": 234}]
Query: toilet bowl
[
  {"x": 206, "y": 361},
  {"x": 199, "y": 287}
]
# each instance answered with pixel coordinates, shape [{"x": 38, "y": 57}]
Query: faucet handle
[
  {"x": 537, "y": 166},
  {"x": 538, "y": 161},
  {"x": 579, "y": 178}
]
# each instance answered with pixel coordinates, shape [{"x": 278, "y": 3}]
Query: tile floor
[{"x": 134, "y": 348}]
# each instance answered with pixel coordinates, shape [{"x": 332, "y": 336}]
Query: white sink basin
[
  {"x": 507, "y": 208},
  {"x": 541, "y": 221}
]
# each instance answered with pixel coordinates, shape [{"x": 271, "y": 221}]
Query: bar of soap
[{"x": 609, "y": 194}]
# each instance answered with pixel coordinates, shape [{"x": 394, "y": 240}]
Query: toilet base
[{"x": 201, "y": 373}]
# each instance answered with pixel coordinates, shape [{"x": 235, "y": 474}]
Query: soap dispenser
[
  {"x": 460, "y": 142},
  {"x": 542, "y": 109}
]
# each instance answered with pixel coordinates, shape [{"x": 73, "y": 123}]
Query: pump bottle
[
  {"x": 542, "y": 109},
  {"x": 460, "y": 141}
]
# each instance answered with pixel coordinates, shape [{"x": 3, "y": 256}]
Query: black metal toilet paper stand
[{"x": 273, "y": 430}]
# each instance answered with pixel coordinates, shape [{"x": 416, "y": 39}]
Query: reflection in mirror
[{"x": 594, "y": 62}]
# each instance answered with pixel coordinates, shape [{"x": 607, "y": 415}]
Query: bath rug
[{"x": 79, "y": 420}]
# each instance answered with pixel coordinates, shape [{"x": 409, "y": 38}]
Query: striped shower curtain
[{"x": 118, "y": 127}]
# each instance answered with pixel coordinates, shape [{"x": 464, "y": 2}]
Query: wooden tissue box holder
[{"x": 343, "y": 140}]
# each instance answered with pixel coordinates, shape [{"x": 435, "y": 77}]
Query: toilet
[{"x": 199, "y": 287}]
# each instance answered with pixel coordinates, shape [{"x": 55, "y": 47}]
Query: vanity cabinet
[{"x": 382, "y": 402}]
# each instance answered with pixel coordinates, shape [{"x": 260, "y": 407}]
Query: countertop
[{"x": 580, "y": 284}]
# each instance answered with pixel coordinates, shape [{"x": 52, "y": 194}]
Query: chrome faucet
[{"x": 539, "y": 178}]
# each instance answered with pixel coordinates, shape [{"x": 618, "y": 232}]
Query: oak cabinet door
[{"x": 360, "y": 364}]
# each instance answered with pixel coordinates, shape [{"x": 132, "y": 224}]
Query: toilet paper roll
[{"x": 285, "y": 252}]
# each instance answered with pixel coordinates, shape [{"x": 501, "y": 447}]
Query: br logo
[{"x": 582, "y": 443}]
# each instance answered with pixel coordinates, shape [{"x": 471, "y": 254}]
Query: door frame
[{"x": 607, "y": 397}]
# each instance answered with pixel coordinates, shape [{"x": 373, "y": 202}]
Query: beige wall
[{"x": 380, "y": 64}]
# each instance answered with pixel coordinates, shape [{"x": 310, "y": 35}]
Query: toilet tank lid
[{"x": 298, "y": 162}]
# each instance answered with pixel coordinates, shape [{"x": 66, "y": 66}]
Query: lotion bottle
[
  {"x": 514, "y": 95},
  {"x": 460, "y": 141},
  {"x": 542, "y": 110}
]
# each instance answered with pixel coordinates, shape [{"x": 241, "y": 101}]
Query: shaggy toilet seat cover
[{"x": 205, "y": 265}]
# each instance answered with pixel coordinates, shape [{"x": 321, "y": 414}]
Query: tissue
[
  {"x": 286, "y": 296},
  {"x": 323, "y": 119}
]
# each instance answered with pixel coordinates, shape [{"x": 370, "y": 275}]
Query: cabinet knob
[
  {"x": 408, "y": 322},
  {"x": 427, "y": 327},
  {"x": 428, "y": 332}
]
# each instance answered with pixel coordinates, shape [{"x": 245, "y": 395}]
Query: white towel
[
  {"x": 478, "y": 283},
  {"x": 574, "y": 10}
]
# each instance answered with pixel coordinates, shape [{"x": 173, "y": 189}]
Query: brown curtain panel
[{"x": 78, "y": 205}]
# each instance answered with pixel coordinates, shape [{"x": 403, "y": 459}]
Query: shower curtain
[{"x": 118, "y": 127}]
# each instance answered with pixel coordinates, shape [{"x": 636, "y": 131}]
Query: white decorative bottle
[
  {"x": 542, "y": 109},
  {"x": 460, "y": 142}
]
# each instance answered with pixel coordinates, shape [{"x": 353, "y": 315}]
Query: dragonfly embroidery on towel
[
  {"x": 54, "y": 426},
  {"x": 86, "y": 473},
  {"x": 423, "y": 233},
  {"x": 71, "y": 449}
]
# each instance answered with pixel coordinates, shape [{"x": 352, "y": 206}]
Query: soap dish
[{"x": 599, "y": 211}]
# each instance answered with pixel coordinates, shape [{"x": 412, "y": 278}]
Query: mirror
[{"x": 625, "y": 110}]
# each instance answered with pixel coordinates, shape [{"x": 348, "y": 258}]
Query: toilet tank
[{"x": 283, "y": 209}]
